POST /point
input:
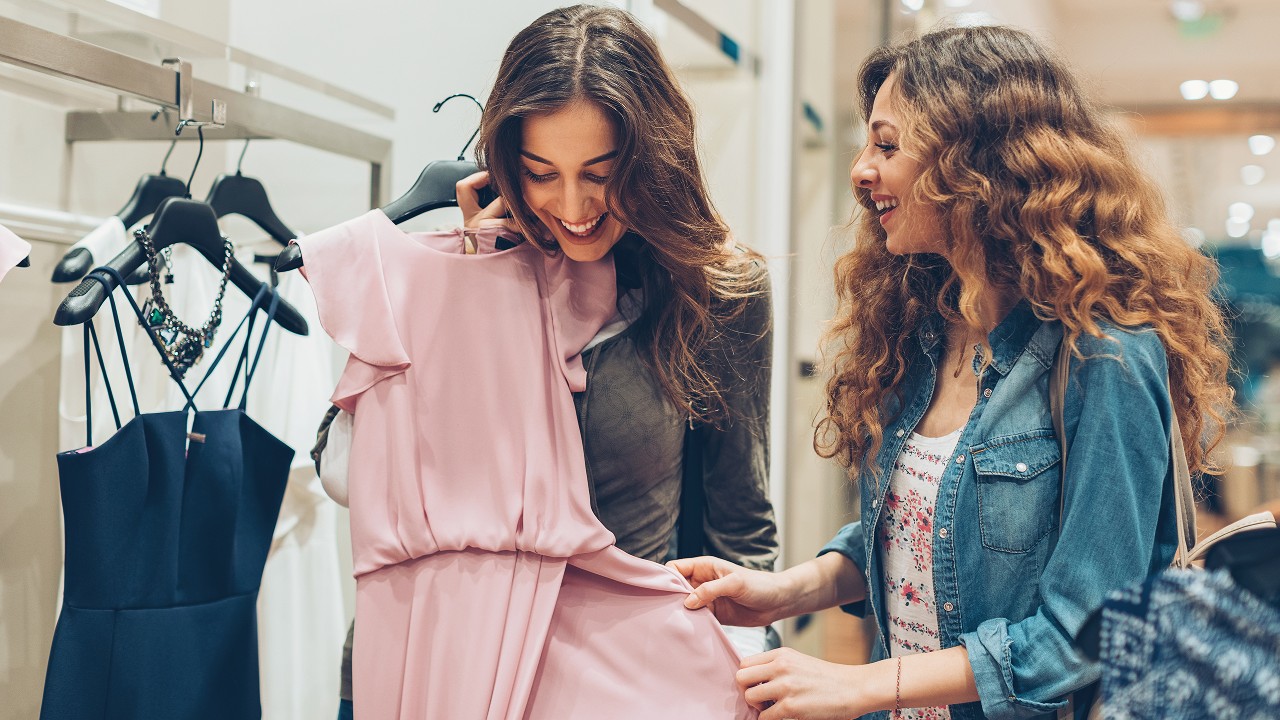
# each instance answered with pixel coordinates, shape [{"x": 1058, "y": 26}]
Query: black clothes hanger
[
  {"x": 435, "y": 188},
  {"x": 178, "y": 220},
  {"x": 245, "y": 196},
  {"x": 25, "y": 262},
  {"x": 147, "y": 196}
]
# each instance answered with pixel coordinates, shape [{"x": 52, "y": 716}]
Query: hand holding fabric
[
  {"x": 735, "y": 594},
  {"x": 786, "y": 684}
]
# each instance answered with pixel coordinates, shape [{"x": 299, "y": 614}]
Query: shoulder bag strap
[{"x": 1183, "y": 498}]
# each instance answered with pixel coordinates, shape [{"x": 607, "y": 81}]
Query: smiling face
[
  {"x": 566, "y": 158},
  {"x": 889, "y": 174}
]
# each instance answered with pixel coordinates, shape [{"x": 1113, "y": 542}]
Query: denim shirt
[{"x": 1013, "y": 584}]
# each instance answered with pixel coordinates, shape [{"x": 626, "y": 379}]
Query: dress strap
[
  {"x": 249, "y": 317},
  {"x": 91, "y": 337},
  {"x": 262, "y": 342},
  {"x": 151, "y": 333}
]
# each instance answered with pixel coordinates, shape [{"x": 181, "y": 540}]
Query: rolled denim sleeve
[
  {"x": 1118, "y": 526},
  {"x": 851, "y": 543}
]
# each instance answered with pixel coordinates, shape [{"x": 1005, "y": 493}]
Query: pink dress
[{"x": 486, "y": 587}]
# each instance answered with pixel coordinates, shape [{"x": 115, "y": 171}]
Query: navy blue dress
[{"x": 167, "y": 533}]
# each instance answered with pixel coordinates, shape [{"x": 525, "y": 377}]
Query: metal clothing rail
[
  {"x": 195, "y": 100},
  {"x": 705, "y": 29}
]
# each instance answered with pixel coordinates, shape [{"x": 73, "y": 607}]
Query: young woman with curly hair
[{"x": 1003, "y": 215}]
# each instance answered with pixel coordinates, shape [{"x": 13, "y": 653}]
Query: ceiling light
[
  {"x": 1187, "y": 10},
  {"x": 1261, "y": 144},
  {"x": 1252, "y": 174},
  {"x": 1241, "y": 211},
  {"x": 1237, "y": 228},
  {"x": 1194, "y": 89},
  {"x": 1223, "y": 89}
]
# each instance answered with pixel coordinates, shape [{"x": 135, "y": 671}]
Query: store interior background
[{"x": 778, "y": 133}]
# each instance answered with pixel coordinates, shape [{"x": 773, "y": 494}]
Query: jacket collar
[{"x": 1016, "y": 334}]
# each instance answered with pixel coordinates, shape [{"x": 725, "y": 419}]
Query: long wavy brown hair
[
  {"x": 1040, "y": 198},
  {"x": 691, "y": 279}
]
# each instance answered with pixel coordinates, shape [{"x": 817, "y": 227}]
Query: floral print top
[{"x": 905, "y": 538}]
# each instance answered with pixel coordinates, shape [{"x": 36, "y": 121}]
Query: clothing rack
[{"x": 239, "y": 116}]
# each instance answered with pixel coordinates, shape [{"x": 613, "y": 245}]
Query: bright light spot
[
  {"x": 1194, "y": 89},
  {"x": 974, "y": 19},
  {"x": 1194, "y": 236},
  {"x": 1240, "y": 211},
  {"x": 913, "y": 5},
  {"x": 1187, "y": 10},
  {"x": 1273, "y": 225},
  {"x": 1271, "y": 245},
  {"x": 1261, "y": 144},
  {"x": 1237, "y": 228},
  {"x": 1223, "y": 89},
  {"x": 958, "y": 3},
  {"x": 1252, "y": 174}
]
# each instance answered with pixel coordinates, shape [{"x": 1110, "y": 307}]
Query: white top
[{"x": 905, "y": 538}]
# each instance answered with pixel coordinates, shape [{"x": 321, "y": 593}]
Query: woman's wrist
[{"x": 814, "y": 585}]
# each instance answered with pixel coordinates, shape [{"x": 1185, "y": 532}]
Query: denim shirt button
[
  {"x": 1022, "y": 467},
  {"x": 948, "y": 606},
  {"x": 959, "y": 459},
  {"x": 873, "y": 503},
  {"x": 900, "y": 432},
  {"x": 986, "y": 393},
  {"x": 942, "y": 533}
]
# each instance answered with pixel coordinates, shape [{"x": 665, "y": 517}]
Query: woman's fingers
[
  {"x": 467, "y": 190},
  {"x": 730, "y": 586}
]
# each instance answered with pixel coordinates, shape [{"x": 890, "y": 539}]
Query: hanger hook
[
  {"x": 199, "y": 151},
  {"x": 243, "y": 150},
  {"x": 172, "y": 143},
  {"x": 436, "y": 109}
]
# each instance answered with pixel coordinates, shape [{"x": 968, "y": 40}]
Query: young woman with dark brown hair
[
  {"x": 590, "y": 144},
  {"x": 1002, "y": 216}
]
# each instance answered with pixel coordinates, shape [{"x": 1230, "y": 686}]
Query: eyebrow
[
  {"x": 875, "y": 126},
  {"x": 598, "y": 159}
]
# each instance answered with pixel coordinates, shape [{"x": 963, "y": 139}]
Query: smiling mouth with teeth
[
  {"x": 884, "y": 206},
  {"x": 583, "y": 230}
]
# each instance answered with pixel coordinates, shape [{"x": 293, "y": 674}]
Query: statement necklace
[{"x": 183, "y": 345}]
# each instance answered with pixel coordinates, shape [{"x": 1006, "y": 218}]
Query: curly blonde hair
[{"x": 1041, "y": 198}]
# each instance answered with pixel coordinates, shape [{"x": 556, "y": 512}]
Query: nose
[
  {"x": 864, "y": 173},
  {"x": 578, "y": 201}
]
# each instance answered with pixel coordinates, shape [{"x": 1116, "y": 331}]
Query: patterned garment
[
  {"x": 906, "y": 541},
  {"x": 1189, "y": 644}
]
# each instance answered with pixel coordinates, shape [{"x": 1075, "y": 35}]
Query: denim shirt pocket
[{"x": 1019, "y": 480}]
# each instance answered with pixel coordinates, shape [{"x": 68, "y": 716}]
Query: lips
[{"x": 585, "y": 229}]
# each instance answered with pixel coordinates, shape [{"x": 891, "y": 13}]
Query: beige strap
[{"x": 1183, "y": 496}]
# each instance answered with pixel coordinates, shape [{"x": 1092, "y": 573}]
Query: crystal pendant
[{"x": 155, "y": 318}]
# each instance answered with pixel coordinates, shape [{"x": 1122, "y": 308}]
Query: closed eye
[{"x": 534, "y": 177}]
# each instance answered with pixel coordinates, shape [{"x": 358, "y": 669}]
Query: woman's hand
[
  {"x": 736, "y": 595},
  {"x": 787, "y": 684},
  {"x": 474, "y": 216}
]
